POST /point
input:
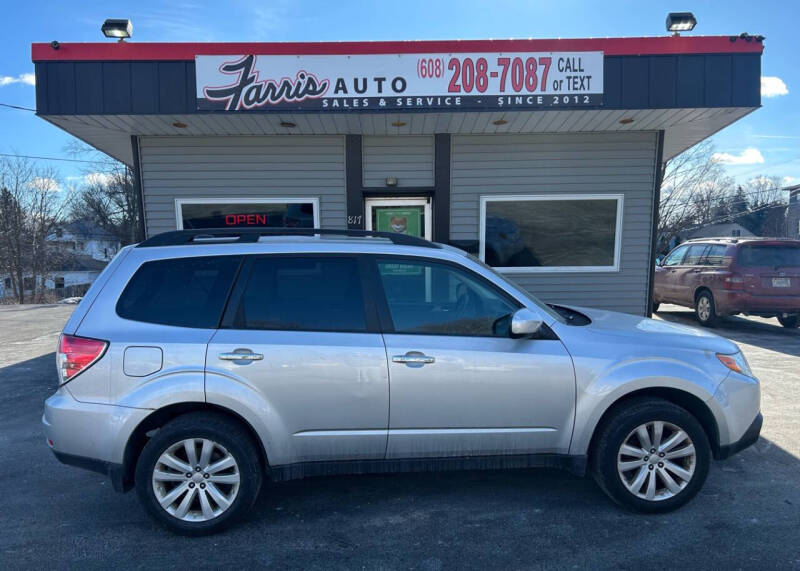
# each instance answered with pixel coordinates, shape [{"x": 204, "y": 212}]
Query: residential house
[
  {"x": 721, "y": 230},
  {"x": 83, "y": 249},
  {"x": 85, "y": 238}
]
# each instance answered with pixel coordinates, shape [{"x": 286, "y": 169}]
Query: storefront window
[
  {"x": 577, "y": 233},
  {"x": 232, "y": 213}
]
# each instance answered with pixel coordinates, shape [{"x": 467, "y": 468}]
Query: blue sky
[{"x": 765, "y": 142}]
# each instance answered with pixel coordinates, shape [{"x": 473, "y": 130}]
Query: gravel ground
[{"x": 747, "y": 516}]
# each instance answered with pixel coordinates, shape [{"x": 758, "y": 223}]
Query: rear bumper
[
  {"x": 89, "y": 435},
  {"x": 748, "y": 438},
  {"x": 727, "y": 301},
  {"x": 115, "y": 472}
]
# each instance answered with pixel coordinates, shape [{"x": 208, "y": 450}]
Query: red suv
[{"x": 725, "y": 276}]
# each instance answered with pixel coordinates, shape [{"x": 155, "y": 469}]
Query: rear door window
[
  {"x": 769, "y": 255},
  {"x": 303, "y": 293},
  {"x": 695, "y": 254},
  {"x": 184, "y": 292},
  {"x": 714, "y": 256}
]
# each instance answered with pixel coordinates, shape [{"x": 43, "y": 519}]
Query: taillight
[
  {"x": 734, "y": 281},
  {"x": 76, "y": 354}
]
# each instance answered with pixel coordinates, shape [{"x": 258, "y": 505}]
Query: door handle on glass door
[{"x": 241, "y": 356}]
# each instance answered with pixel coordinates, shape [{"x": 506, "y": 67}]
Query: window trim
[
  {"x": 179, "y": 202},
  {"x": 382, "y": 302},
  {"x": 620, "y": 199}
]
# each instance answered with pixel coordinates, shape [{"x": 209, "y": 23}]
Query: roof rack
[
  {"x": 736, "y": 239},
  {"x": 733, "y": 239},
  {"x": 251, "y": 235}
]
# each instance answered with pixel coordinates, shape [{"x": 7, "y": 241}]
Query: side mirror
[{"x": 525, "y": 322}]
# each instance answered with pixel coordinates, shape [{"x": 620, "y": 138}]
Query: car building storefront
[{"x": 542, "y": 157}]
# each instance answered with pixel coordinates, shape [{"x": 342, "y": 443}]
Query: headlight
[{"x": 736, "y": 362}]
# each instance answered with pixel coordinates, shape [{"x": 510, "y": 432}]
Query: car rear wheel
[
  {"x": 198, "y": 474},
  {"x": 790, "y": 321},
  {"x": 705, "y": 310},
  {"x": 651, "y": 456}
]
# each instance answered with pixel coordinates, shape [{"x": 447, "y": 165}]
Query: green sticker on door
[{"x": 406, "y": 220}]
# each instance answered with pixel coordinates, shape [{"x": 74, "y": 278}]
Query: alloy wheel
[
  {"x": 703, "y": 308},
  {"x": 196, "y": 479},
  {"x": 656, "y": 461}
]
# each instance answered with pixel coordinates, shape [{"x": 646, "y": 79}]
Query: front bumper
[{"x": 748, "y": 438}]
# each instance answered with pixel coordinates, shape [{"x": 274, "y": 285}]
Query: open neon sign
[{"x": 245, "y": 220}]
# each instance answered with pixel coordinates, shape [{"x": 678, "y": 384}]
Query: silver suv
[{"x": 202, "y": 361}]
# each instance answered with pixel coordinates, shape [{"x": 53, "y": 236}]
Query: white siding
[
  {"x": 409, "y": 159},
  {"x": 569, "y": 164},
  {"x": 241, "y": 167}
]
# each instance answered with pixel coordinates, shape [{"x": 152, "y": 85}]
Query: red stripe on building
[{"x": 130, "y": 51}]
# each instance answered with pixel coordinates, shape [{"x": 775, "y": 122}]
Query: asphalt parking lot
[{"x": 747, "y": 516}]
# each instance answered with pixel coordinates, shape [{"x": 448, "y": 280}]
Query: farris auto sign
[{"x": 400, "y": 82}]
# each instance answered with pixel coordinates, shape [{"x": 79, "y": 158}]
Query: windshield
[
  {"x": 539, "y": 304},
  {"x": 773, "y": 255}
]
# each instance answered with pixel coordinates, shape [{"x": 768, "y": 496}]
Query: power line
[
  {"x": 730, "y": 217},
  {"x": 747, "y": 194},
  {"x": 753, "y": 171},
  {"x": 17, "y": 107},
  {"x": 52, "y": 158}
]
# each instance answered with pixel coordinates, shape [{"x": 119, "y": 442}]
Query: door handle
[
  {"x": 413, "y": 358},
  {"x": 241, "y": 356}
]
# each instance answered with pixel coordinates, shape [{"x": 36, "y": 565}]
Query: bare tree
[
  {"x": 763, "y": 190},
  {"x": 108, "y": 195},
  {"x": 30, "y": 209},
  {"x": 691, "y": 185}
]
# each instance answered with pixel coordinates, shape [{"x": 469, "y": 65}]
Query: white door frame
[{"x": 401, "y": 201}]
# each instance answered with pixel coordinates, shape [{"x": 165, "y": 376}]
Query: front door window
[{"x": 438, "y": 299}]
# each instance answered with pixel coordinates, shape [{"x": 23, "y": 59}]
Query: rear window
[
  {"x": 305, "y": 293},
  {"x": 773, "y": 255},
  {"x": 185, "y": 292}
]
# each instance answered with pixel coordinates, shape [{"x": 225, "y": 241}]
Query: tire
[
  {"x": 619, "y": 429},
  {"x": 790, "y": 322},
  {"x": 229, "y": 492},
  {"x": 656, "y": 305},
  {"x": 705, "y": 310}
]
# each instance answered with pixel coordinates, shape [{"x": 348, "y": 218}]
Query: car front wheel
[
  {"x": 651, "y": 456},
  {"x": 198, "y": 474},
  {"x": 790, "y": 321}
]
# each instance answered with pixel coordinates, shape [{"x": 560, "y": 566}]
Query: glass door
[{"x": 411, "y": 216}]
